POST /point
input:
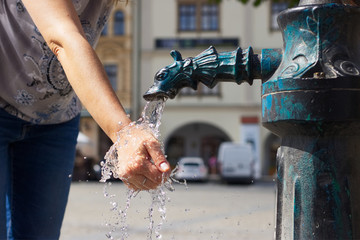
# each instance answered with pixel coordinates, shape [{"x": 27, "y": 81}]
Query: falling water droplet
[{"x": 151, "y": 118}]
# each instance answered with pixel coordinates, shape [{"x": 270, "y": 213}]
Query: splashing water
[{"x": 150, "y": 119}]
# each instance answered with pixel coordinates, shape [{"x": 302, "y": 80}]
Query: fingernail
[{"x": 164, "y": 166}]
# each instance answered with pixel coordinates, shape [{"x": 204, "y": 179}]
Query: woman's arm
[{"x": 60, "y": 26}]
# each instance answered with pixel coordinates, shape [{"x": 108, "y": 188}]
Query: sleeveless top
[{"x": 33, "y": 85}]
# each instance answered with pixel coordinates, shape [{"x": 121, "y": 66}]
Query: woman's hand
[{"x": 140, "y": 164}]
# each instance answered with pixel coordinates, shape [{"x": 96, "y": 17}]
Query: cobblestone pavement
[{"x": 202, "y": 211}]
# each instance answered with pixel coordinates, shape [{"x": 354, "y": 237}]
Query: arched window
[{"x": 119, "y": 23}]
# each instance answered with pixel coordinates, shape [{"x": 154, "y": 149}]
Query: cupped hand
[{"x": 141, "y": 163}]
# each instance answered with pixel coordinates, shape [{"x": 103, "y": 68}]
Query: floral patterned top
[{"x": 33, "y": 85}]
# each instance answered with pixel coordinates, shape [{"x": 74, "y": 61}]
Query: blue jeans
[{"x": 36, "y": 163}]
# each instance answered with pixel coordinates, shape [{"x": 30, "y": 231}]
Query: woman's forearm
[
  {"x": 88, "y": 79},
  {"x": 60, "y": 26}
]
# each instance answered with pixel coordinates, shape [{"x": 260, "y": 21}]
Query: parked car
[
  {"x": 236, "y": 162},
  {"x": 191, "y": 169}
]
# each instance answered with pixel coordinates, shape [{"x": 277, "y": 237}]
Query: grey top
[{"x": 33, "y": 85}]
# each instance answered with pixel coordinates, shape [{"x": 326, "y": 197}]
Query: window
[
  {"x": 198, "y": 15},
  {"x": 111, "y": 71},
  {"x": 195, "y": 42},
  {"x": 119, "y": 23},
  {"x": 209, "y": 14},
  {"x": 187, "y": 17},
  {"x": 201, "y": 91},
  {"x": 276, "y": 8}
]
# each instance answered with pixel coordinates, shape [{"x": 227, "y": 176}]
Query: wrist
[{"x": 118, "y": 127}]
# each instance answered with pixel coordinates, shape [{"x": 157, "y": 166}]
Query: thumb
[{"x": 155, "y": 152}]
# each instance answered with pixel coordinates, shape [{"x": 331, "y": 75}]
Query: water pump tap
[{"x": 211, "y": 67}]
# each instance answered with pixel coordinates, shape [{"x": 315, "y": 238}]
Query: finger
[
  {"x": 154, "y": 150},
  {"x": 152, "y": 173},
  {"x": 149, "y": 184},
  {"x": 140, "y": 182},
  {"x": 137, "y": 186},
  {"x": 140, "y": 169}
]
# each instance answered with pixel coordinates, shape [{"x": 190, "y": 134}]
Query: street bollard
[{"x": 310, "y": 98}]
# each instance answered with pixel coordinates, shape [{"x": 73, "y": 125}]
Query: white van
[{"x": 236, "y": 162}]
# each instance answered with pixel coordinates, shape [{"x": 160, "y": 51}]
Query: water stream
[{"x": 150, "y": 119}]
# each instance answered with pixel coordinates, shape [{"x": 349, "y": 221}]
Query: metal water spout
[
  {"x": 310, "y": 98},
  {"x": 211, "y": 67}
]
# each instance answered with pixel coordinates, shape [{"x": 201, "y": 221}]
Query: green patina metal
[{"x": 211, "y": 67}]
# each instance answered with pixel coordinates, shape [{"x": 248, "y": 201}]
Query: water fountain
[{"x": 310, "y": 97}]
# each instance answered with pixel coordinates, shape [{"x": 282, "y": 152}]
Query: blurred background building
[{"x": 136, "y": 44}]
